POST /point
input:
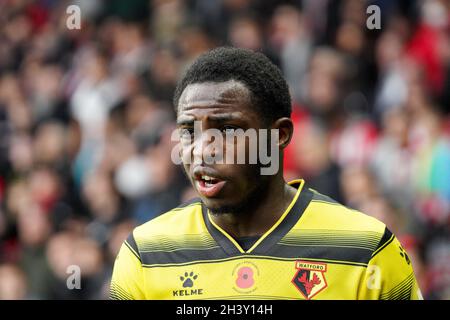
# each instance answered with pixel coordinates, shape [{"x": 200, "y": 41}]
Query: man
[{"x": 250, "y": 234}]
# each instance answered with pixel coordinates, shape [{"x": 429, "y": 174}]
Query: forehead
[{"x": 229, "y": 96}]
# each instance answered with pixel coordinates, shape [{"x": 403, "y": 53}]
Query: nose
[
  {"x": 205, "y": 147},
  {"x": 208, "y": 147}
]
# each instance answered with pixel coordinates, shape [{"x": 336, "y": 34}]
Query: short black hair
[{"x": 268, "y": 88}]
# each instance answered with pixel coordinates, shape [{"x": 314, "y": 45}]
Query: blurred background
[{"x": 86, "y": 117}]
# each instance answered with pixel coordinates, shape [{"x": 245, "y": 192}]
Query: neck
[{"x": 261, "y": 217}]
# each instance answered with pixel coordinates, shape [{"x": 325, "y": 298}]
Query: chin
[{"x": 218, "y": 208}]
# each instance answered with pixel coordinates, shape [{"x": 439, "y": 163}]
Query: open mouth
[
  {"x": 208, "y": 181},
  {"x": 208, "y": 186}
]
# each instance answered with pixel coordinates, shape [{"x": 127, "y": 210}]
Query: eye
[{"x": 186, "y": 132}]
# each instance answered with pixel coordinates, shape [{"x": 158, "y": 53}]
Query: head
[
  {"x": 13, "y": 283},
  {"x": 232, "y": 92}
]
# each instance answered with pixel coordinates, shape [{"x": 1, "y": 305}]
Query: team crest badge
[{"x": 310, "y": 278}]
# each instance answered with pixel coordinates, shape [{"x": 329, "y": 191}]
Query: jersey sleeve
[
  {"x": 389, "y": 274},
  {"x": 127, "y": 277}
]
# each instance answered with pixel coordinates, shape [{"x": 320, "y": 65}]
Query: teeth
[{"x": 207, "y": 178}]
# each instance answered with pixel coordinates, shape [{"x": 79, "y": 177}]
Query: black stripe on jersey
[
  {"x": 339, "y": 238},
  {"x": 287, "y": 224},
  {"x": 402, "y": 291},
  {"x": 220, "y": 238},
  {"x": 181, "y": 256},
  {"x": 325, "y": 252},
  {"x": 199, "y": 241},
  {"x": 177, "y": 247},
  {"x": 131, "y": 244},
  {"x": 387, "y": 238},
  {"x": 250, "y": 256},
  {"x": 280, "y": 231},
  {"x": 116, "y": 292},
  {"x": 318, "y": 197}
]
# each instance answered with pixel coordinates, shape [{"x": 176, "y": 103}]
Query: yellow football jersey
[{"x": 318, "y": 249}]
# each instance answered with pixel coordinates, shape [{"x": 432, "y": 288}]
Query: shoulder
[
  {"x": 184, "y": 219},
  {"x": 178, "y": 225},
  {"x": 332, "y": 222},
  {"x": 327, "y": 213}
]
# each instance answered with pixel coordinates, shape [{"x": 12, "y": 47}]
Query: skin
[{"x": 249, "y": 203}]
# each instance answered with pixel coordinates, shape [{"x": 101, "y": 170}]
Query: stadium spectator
[{"x": 86, "y": 118}]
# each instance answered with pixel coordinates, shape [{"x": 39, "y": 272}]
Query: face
[{"x": 226, "y": 106}]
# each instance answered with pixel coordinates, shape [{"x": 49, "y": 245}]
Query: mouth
[{"x": 208, "y": 185}]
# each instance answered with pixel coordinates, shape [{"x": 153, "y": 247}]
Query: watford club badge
[{"x": 310, "y": 278}]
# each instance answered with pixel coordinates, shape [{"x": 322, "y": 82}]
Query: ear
[{"x": 286, "y": 129}]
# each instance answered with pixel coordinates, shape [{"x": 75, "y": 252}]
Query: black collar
[{"x": 283, "y": 225}]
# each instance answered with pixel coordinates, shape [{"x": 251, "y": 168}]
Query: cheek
[
  {"x": 185, "y": 152},
  {"x": 241, "y": 150},
  {"x": 187, "y": 168},
  {"x": 244, "y": 155},
  {"x": 243, "y": 177}
]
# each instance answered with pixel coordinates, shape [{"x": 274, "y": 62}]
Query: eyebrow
[
  {"x": 222, "y": 117},
  {"x": 219, "y": 118},
  {"x": 185, "y": 122}
]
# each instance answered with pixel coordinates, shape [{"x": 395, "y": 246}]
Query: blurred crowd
[{"x": 86, "y": 117}]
